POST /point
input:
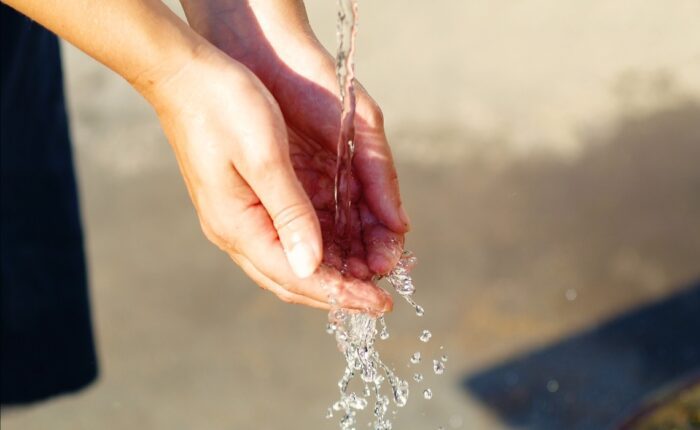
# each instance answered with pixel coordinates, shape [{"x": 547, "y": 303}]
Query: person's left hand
[{"x": 274, "y": 40}]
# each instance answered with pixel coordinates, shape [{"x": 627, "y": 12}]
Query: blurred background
[{"x": 549, "y": 156}]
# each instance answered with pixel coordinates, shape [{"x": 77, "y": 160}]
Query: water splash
[
  {"x": 355, "y": 335},
  {"x": 355, "y": 332},
  {"x": 384, "y": 333},
  {"x": 402, "y": 282}
]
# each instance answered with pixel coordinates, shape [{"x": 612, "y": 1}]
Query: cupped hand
[
  {"x": 274, "y": 40},
  {"x": 233, "y": 150}
]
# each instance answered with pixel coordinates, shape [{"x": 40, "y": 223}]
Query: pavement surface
[{"x": 549, "y": 157}]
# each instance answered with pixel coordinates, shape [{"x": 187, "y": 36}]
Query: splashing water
[
  {"x": 438, "y": 367},
  {"x": 355, "y": 335},
  {"x": 356, "y": 332}
]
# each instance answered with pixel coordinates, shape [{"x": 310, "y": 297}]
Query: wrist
[
  {"x": 165, "y": 63},
  {"x": 193, "y": 82}
]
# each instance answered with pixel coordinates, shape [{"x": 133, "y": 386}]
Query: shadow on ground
[{"x": 588, "y": 380}]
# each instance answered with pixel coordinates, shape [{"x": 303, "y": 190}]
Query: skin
[{"x": 248, "y": 104}]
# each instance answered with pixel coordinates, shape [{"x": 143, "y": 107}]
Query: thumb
[{"x": 270, "y": 174}]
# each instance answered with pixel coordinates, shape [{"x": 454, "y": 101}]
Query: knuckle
[
  {"x": 291, "y": 215},
  {"x": 217, "y": 232},
  {"x": 266, "y": 162}
]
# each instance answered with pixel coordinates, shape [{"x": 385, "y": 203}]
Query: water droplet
[
  {"x": 553, "y": 386},
  {"x": 400, "y": 279},
  {"x": 384, "y": 333},
  {"x": 420, "y": 311},
  {"x": 444, "y": 358},
  {"x": 438, "y": 367},
  {"x": 380, "y": 406},
  {"x": 357, "y": 402},
  {"x": 347, "y": 422},
  {"x": 415, "y": 358},
  {"x": 401, "y": 393},
  {"x": 403, "y": 284},
  {"x": 339, "y": 315},
  {"x": 330, "y": 328},
  {"x": 329, "y": 413},
  {"x": 417, "y": 377},
  {"x": 427, "y": 394},
  {"x": 571, "y": 294},
  {"x": 425, "y": 336}
]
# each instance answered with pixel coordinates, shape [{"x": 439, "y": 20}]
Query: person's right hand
[{"x": 230, "y": 140}]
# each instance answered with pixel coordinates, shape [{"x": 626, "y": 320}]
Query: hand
[
  {"x": 274, "y": 40},
  {"x": 231, "y": 144}
]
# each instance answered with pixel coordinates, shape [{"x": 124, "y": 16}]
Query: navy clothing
[{"x": 47, "y": 343}]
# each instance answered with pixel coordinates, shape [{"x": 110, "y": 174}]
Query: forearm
[
  {"x": 265, "y": 35},
  {"x": 290, "y": 13},
  {"x": 141, "y": 40}
]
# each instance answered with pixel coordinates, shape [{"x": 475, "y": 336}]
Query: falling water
[
  {"x": 356, "y": 332},
  {"x": 345, "y": 71}
]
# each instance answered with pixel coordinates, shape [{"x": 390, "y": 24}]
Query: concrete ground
[{"x": 549, "y": 157}]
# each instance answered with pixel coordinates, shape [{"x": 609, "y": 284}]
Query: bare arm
[{"x": 141, "y": 40}]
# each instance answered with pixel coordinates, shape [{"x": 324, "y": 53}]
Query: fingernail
[
  {"x": 302, "y": 259},
  {"x": 404, "y": 216}
]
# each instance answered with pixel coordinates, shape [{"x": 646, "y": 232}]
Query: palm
[{"x": 312, "y": 115}]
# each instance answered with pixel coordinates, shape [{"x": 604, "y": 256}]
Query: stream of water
[
  {"x": 356, "y": 332},
  {"x": 345, "y": 71}
]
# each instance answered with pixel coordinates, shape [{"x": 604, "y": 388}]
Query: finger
[
  {"x": 267, "y": 168},
  {"x": 384, "y": 246},
  {"x": 357, "y": 255},
  {"x": 285, "y": 295},
  {"x": 265, "y": 252},
  {"x": 375, "y": 169}
]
